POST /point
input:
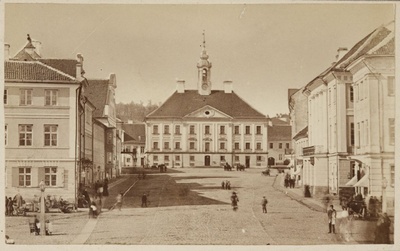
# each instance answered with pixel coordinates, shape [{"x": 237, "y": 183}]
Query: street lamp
[
  {"x": 384, "y": 185},
  {"x": 42, "y": 209}
]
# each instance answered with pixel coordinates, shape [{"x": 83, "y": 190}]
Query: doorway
[
  {"x": 271, "y": 161},
  {"x": 207, "y": 160},
  {"x": 247, "y": 161}
]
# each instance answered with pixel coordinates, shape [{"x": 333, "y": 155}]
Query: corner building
[{"x": 206, "y": 127}]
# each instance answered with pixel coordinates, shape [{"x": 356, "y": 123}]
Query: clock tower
[{"x": 204, "y": 71}]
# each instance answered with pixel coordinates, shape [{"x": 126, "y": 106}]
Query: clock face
[{"x": 204, "y": 86}]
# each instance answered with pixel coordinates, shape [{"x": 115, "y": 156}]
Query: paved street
[{"x": 188, "y": 206}]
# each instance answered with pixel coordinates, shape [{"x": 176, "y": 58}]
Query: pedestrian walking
[
  {"x": 105, "y": 187},
  {"x": 10, "y": 206},
  {"x": 144, "y": 200},
  {"x": 234, "y": 200},
  {"x": 264, "y": 203},
  {"x": 222, "y": 184},
  {"x": 331, "y": 219},
  {"x": 18, "y": 200},
  {"x": 119, "y": 201},
  {"x": 228, "y": 185}
]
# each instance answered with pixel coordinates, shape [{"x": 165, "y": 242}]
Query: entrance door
[
  {"x": 142, "y": 161},
  {"x": 207, "y": 160},
  {"x": 271, "y": 161},
  {"x": 247, "y": 161}
]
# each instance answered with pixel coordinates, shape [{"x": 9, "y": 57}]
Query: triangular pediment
[{"x": 207, "y": 112}]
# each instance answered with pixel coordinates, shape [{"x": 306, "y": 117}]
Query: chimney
[
  {"x": 180, "y": 86},
  {"x": 340, "y": 53},
  {"x": 79, "y": 67},
  {"x": 38, "y": 47},
  {"x": 6, "y": 51},
  {"x": 228, "y": 86}
]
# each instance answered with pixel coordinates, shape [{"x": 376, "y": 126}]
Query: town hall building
[{"x": 206, "y": 127}]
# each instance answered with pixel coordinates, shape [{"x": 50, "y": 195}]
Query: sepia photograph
[{"x": 177, "y": 125}]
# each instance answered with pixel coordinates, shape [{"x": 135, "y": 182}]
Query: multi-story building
[
  {"x": 206, "y": 127},
  {"x": 134, "y": 144},
  {"x": 279, "y": 140},
  {"x": 351, "y": 121},
  {"x": 40, "y": 122},
  {"x": 101, "y": 92}
]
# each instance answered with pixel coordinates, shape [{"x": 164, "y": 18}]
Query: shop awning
[
  {"x": 352, "y": 181},
  {"x": 363, "y": 182}
]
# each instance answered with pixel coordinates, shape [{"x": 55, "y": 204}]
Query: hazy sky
[{"x": 264, "y": 49}]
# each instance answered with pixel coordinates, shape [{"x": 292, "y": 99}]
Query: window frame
[
  {"x": 222, "y": 130},
  {"x": 50, "y": 175},
  {"x": 247, "y": 130},
  {"x": 207, "y": 130},
  {"x": 155, "y": 145},
  {"x": 236, "y": 130},
  {"x": 25, "y": 174},
  {"x": 177, "y": 145},
  {"x": 50, "y": 133},
  {"x": 222, "y": 146},
  {"x": 248, "y": 146},
  {"x": 25, "y": 95},
  {"x": 258, "y": 130},
  {"x": 5, "y": 97},
  {"x": 392, "y": 130},
  {"x": 177, "y": 130},
  {"x": 391, "y": 86},
  {"x": 53, "y": 96},
  {"x": 192, "y": 130},
  {"x": 166, "y": 129},
  {"x": 26, "y": 133},
  {"x": 166, "y": 145}
]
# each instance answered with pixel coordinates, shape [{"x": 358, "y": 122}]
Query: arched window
[{"x": 204, "y": 75}]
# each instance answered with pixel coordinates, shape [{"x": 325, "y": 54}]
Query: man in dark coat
[
  {"x": 264, "y": 204},
  {"x": 144, "y": 200}
]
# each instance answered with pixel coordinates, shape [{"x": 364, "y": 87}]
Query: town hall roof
[{"x": 182, "y": 104}]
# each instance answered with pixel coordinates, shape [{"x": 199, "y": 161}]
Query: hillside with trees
[{"x": 135, "y": 111}]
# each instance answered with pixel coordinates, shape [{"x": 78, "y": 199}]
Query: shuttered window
[
  {"x": 50, "y": 176},
  {"x": 24, "y": 176}
]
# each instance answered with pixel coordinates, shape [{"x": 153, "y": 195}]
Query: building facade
[
  {"x": 40, "y": 123},
  {"x": 134, "y": 145},
  {"x": 206, "y": 127},
  {"x": 279, "y": 141}
]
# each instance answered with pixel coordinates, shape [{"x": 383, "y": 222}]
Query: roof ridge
[{"x": 56, "y": 70}]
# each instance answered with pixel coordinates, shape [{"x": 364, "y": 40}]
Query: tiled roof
[
  {"x": 387, "y": 49},
  {"x": 25, "y": 56},
  {"x": 279, "y": 132},
  {"x": 136, "y": 131},
  {"x": 280, "y": 121},
  {"x": 181, "y": 104},
  {"x": 303, "y": 133},
  {"x": 96, "y": 92},
  {"x": 33, "y": 71},
  {"x": 65, "y": 65}
]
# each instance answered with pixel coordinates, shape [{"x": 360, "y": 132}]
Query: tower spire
[
  {"x": 204, "y": 39},
  {"x": 204, "y": 71}
]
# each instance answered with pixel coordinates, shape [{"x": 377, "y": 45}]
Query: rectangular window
[
  {"x": 287, "y": 146},
  {"x": 142, "y": 149},
  {"x": 50, "y": 176},
  {"x": 237, "y": 146},
  {"x": 222, "y": 158},
  {"x": 191, "y": 158},
  {"x": 166, "y": 129},
  {"x": 259, "y": 146},
  {"x": 155, "y": 145},
  {"x": 178, "y": 145},
  {"x": 25, "y": 97},
  {"x": 222, "y": 145},
  {"x": 259, "y": 158},
  {"x": 5, "y": 134},
  {"x": 155, "y": 129},
  {"x": 207, "y": 129},
  {"x": 155, "y": 157},
  {"x": 352, "y": 134},
  {"x": 351, "y": 93},
  {"x": 177, "y": 158},
  {"x": 128, "y": 160},
  {"x": 177, "y": 130},
  {"x": 247, "y": 146},
  {"x": 51, "y": 97},
  {"x": 5, "y": 96},
  {"x": 166, "y": 145},
  {"x": 391, "y": 130},
  {"x": 258, "y": 130},
  {"x": 358, "y": 134},
  {"x": 191, "y": 129},
  {"x": 109, "y": 157},
  {"x": 247, "y": 129},
  {"x": 207, "y": 146},
  {"x": 222, "y": 130},
  {"x": 191, "y": 145},
  {"x": 271, "y": 145},
  {"x": 280, "y": 156},
  {"x": 392, "y": 173},
  {"x": 280, "y": 145},
  {"x": 24, "y": 177},
  {"x": 25, "y": 135},
  {"x": 237, "y": 158},
  {"x": 166, "y": 157},
  {"x": 236, "y": 130},
  {"x": 391, "y": 86},
  {"x": 50, "y": 135}
]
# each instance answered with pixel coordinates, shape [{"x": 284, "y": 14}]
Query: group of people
[
  {"x": 226, "y": 185},
  {"x": 290, "y": 181},
  {"x": 101, "y": 188},
  {"x": 11, "y": 204}
]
